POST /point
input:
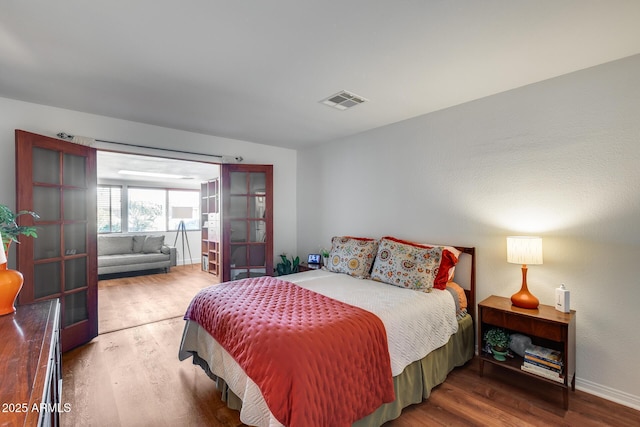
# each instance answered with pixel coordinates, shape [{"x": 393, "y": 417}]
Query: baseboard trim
[
  {"x": 187, "y": 261},
  {"x": 608, "y": 393}
]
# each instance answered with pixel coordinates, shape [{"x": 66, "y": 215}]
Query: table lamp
[{"x": 524, "y": 250}]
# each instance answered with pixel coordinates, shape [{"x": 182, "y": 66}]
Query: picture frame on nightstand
[{"x": 314, "y": 260}]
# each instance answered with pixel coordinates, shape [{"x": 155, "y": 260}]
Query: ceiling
[
  {"x": 257, "y": 70},
  {"x": 188, "y": 174}
]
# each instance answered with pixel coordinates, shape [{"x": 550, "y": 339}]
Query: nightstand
[
  {"x": 306, "y": 267},
  {"x": 545, "y": 326}
]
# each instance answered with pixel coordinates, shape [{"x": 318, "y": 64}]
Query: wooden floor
[
  {"x": 132, "y": 377},
  {"x": 137, "y": 300}
]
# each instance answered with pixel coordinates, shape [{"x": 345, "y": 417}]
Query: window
[
  {"x": 147, "y": 209},
  {"x": 109, "y": 209}
]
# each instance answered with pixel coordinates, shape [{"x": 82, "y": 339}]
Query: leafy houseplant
[
  {"x": 287, "y": 266},
  {"x": 498, "y": 339},
  {"x": 10, "y": 229},
  {"x": 10, "y": 280},
  {"x": 325, "y": 256}
]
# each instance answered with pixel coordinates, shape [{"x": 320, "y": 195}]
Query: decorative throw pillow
[
  {"x": 115, "y": 245},
  {"x": 410, "y": 266},
  {"x": 462, "y": 297},
  {"x": 352, "y": 255},
  {"x": 152, "y": 244},
  {"x": 138, "y": 243},
  {"x": 450, "y": 257}
]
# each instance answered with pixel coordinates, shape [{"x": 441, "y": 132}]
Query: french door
[
  {"x": 57, "y": 180},
  {"x": 247, "y": 221}
]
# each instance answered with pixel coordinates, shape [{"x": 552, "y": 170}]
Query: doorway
[
  {"x": 64, "y": 180},
  {"x": 137, "y": 195}
]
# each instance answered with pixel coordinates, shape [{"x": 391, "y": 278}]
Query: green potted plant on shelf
[
  {"x": 287, "y": 266},
  {"x": 498, "y": 339}
]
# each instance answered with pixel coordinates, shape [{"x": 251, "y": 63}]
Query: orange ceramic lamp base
[
  {"x": 524, "y": 298},
  {"x": 10, "y": 285}
]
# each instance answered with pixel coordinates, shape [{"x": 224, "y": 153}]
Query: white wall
[
  {"x": 49, "y": 121},
  {"x": 560, "y": 159}
]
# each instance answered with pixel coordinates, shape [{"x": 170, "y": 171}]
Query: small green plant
[
  {"x": 497, "y": 338},
  {"x": 10, "y": 229},
  {"x": 287, "y": 266},
  {"x": 325, "y": 257}
]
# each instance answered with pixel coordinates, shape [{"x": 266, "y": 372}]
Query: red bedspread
[{"x": 317, "y": 361}]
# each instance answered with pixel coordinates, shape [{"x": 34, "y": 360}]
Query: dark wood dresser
[{"x": 30, "y": 373}]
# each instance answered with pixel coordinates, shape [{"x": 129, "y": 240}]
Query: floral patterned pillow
[
  {"x": 450, "y": 257},
  {"x": 406, "y": 265},
  {"x": 352, "y": 255}
]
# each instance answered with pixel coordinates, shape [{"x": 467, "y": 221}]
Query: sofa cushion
[
  {"x": 111, "y": 245},
  {"x": 138, "y": 243},
  {"x": 152, "y": 244},
  {"x": 130, "y": 259}
]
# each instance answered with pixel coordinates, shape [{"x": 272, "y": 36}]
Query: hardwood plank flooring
[
  {"x": 137, "y": 300},
  {"x": 132, "y": 377}
]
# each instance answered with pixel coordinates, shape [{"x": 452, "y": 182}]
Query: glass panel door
[
  {"x": 57, "y": 180},
  {"x": 247, "y": 221}
]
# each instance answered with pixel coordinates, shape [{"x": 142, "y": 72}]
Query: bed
[{"x": 418, "y": 350}]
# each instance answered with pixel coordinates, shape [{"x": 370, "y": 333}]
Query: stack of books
[{"x": 544, "y": 362}]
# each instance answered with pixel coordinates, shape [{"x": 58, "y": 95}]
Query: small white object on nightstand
[{"x": 562, "y": 299}]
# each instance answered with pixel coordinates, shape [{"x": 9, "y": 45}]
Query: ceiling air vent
[{"x": 343, "y": 100}]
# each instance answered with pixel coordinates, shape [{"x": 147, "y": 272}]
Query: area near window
[{"x": 141, "y": 209}]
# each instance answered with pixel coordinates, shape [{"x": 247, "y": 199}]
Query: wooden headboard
[{"x": 466, "y": 276}]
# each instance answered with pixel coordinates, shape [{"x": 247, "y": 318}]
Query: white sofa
[{"x": 127, "y": 253}]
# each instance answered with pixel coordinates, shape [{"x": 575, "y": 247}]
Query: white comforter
[{"x": 416, "y": 324}]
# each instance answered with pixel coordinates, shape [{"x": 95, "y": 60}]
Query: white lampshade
[
  {"x": 3, "y": 256},
  {"x": 524, "y": 250},
  {"x": 182, "y": 212}
]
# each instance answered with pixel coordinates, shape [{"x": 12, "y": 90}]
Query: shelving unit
[
  {"x": 210, "y": 224},
  {"x": 545, "y": 326}
]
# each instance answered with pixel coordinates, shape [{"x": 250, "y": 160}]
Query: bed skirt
[{"x": 412, "y": 386}]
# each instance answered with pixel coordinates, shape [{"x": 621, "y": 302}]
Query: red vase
[{"x": 10, "y": 285}]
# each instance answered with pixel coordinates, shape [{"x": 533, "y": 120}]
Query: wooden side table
[{"x": 545, "y": 326}]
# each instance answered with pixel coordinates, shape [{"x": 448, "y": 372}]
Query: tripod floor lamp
[{"x": 182, "y": 213}]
